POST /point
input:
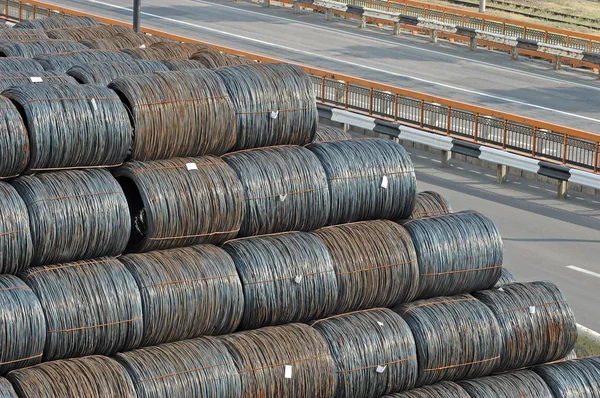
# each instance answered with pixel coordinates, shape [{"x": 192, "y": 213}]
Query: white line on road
[
  {"x": 585, "y": 271},
  {"x": 333, "y": 59}
]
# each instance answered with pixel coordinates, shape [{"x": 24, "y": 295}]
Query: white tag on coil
[
  {"x": 532, "y": 309},
  {"x": 288, "y": 371},
  {"x": 191, "y": 166},
  {"x": 94, "y": 104},
  {"x": 36, "y": 79},
  {"x": 274, "y": 114},
  {"x": 298, "y": 279},
  {"x": 381, "y": 369},
  {"x": 384, "y": 182},
  {"x": 283, "y": 197}
]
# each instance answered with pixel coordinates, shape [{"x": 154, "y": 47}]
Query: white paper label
[
  {"x": 36, "y": 79},
  {"x": 380, "y": 323},
  {"x": 274, "y": 114},
  {"x": 381, "y": 369},
  {"x": 298, "y": 279},
  {"x": 283, "y": 197},
  {"x": 500, "y": 289},
  {"x": 288, "y": 371},
  {"x": 384, "y": 182},
  {"x": 532, "y": 310},
  {"x": 94, "y": 104},
  {"x": 143, "y": 46},
  {"x": 191, "y": 166}
]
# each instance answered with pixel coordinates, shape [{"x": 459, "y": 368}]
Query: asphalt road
[{"x": 543, "y": 236}]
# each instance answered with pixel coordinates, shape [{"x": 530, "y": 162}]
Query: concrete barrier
[{"x": 588, "y": 342}]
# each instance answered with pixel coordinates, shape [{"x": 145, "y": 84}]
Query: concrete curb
[{"x": 588, "y": 342}]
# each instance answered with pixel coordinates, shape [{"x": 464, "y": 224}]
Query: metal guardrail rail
[{"x": 470, "y": 123}]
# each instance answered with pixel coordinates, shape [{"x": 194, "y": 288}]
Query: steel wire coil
[
  {"x": 536, "y": 322},
  {"x": 6, "y": 389},
  {"x": 74, "y": 215},
  {"x": 329, "y": 133},
  {"x": 430, "y": 204},
  {"x": 286, "y": 277},
  {"x": 185, "y": 113},
  {"x": 375, "y": 264},
  {"x": 285, "y": 189},
  {"x": 368, "y": 179},
  {"x": 521, "y": 384},
  {"x": 187, "y": 292},
  {"x": 506, "y": 277},
  {"x": 274, "y": 104},
  {"x": 164, "y": 51},
  {"x": 78, "y": 33},
  {"x": 130, "y": 40},
  {"x": 14, "y": 141},
  {"x": 211, "y": 58},
  {"x": 181, "y": 202},
  {"x": 373, "y": 350},
  {"x": 90, "y": 377},
  {"x": 282, "y": 361},
  {"x": 91, "y": 307},
  {"x": 443, "y": 389},
  {"x": 14, "y": 79},
  {"x": 578, "y": 378},
  {"x": 19, "y": 64},
  {"x": 62, "y": 62},
  {"x": 198, "y": 368},
  {"x": 23, "y": 330},
  {"x": 16, "y": 247},
  {"x": 22, "y": 34},
  {"x": 37, "y": 47},
  {"x": 457, "y": 253},
  {"x": 102, "y": 73},
  {"x": 56, "y": 22},
  {"x": 457, "y": 338},
  {"x": 72, "y": 125},
  {"x": 183, "y": 64}
]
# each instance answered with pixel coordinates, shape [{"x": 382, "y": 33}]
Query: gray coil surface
[
  {"x": 522, "y": 384},
  {"x": 78, "y": 33},
  {"x": 19, "y": 64},
  {"x": 211, "y": 58},
  {"x": 16, "y": 78},
  {"x": 102, "y": 73},
  {"x": 430, "y": 204},
  {"x": 165, "y": 51},
  {"x": 14, "y": 141},
  {"x": 506, "y": 277},
  {"x": 183, "y": 64},
  {"x": 56, "y": 22},
  {"x": 577, "y": 378},
  {"x": 16, "y": 246},
  {"x": 6, "y": 389},
  {"x": 443, "y": 389},
  {"x": 62, "y": 62},
  {"x": 329, "y": 133},
  {"x": 38, "y": 47},
  {"x": 22, "y": 34}
]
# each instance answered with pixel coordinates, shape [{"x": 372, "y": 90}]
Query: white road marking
[
  {"x": 585, "y": 271},
  {"x": 333, "y": 59}
]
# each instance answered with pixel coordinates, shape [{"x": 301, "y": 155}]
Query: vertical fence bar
[
  {"x": 6, "y": 10},
  {"x": 564, "y": 155},
  {"x": 448, "y": 120},
  {"x": 596, "y": 158},
  {"x": 476, "y": 132},
  {"x": 323, "y": 89},
  {"x": 504, "y": 134},
  {"x": 20, "y": 11},
  {"x": 534, "y": 144},
  {"x": 422, "y": 116},
  {"x": 396, "y": 107},
  {"x": 136, "y": 15},
  {"x": 347, "y": 94},
  {"x": 546, "y": 36},
  {"x": 371, "y": 101},
  {"x": 503, "y": 28}
]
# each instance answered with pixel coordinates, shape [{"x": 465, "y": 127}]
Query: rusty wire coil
[
  {"x": 443, "y": 389},
  {"x": 62, "y": 62},
  {"x": 211, "y": 58},
  {"x": 430, "y": 204},
  {"x": 22, "y": 34},
  {"x": 23, "y": 330},
  {"x": 373, "y": 350},
  {"x": 506, "y": 277},
  {"x": 91, "y": 307},
  {"x": 102, "y": 73},
  {"x": 286, "y": 277},
  {"x": 536, "y": 322},
  {"x": 282, "y": 361},
  {"x": 457, "y": 253},
  {"x": 285, "y": 189},
  {"x": 130, "y": 40},
  {"x": 78, "y": 33},
  {"x": 181, "y": 202},
  {"x": 274, "y": 104},
  {"x": 187, "y": 292},
  {"x": 164, "y": 51},
  {"x": 56, "y": 22},
  {"x": 90, "y": 377},
  {"x": 578, "y": 378},
  {"x": 14, "y": 79},
  {"x": 457, "y": 338},
  {"x": 201, "y": 367},
  {"x": 6, "y": 389},
  {"x": 522, "y": 384},
  {"x": 327, "y": 133},
  {"x": 37, "y": 47},
  {"x": 183, "y": 64},
  {"x": 368, "y": 179},
  {"x": 14, "y": 141},
  {"x": 19, "y": 64},
  {"x": 375, "y": 264},
  {"x": 74, "y": 215},
  {"x": 72, "y": 125},
  {"x": 185, "y": 113},
  {"x": 16, "y": 247}
]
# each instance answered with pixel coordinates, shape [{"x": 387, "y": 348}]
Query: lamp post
[
  {"x": 136, "y": 15},
  {"x": 482, "y": 6}
]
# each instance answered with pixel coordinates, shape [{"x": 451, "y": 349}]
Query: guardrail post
[
  {"x": 296, "y": 7},
  {"x": 328, "y": 14},
  {"x": 502, "y": 175},
  {"x": 473, "y": 43},
  {"x": 363, "y": 22},
  {"x": 514, "y": 53},
  {"x": 396, "y": 30},
  {"x": 563, "y": 188},
  {"x": 557, "y": 62},
  {"x": 434, "y": 35},
  {"x": 446, "y": 156}
]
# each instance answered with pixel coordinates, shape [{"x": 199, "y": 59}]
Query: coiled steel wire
[
  {"x": 90, "y": 377},
  {"x": 78, "y": 33},
  {"x": 19, "y": 64},
  {"x": 72, "y": 125},
  {"x": 457, "y": 338},
  {"x": 375, "y": 264},
  {"x": 56, "y": 22},
  {"x": 285, "y": 189},
  {"x": 368, "y": 179},
  {"x": 16, "y": 247},
  {"x": 282, "y": 361},
  {"x": 187, "y": 292},
  {"x": 198, "y": 368},
  {"x": 102, "y": 73},
  {"x": 327, "y": 133},
  {"x": 211, "y": 58},
  {"x": 37, "y": 47},
  {"x": 430, "y": 204},
  {"x": 274, "y": 104},
  {"x": 506, "y": 277},
  {"x": 14, "y": 79},
  {"x": 91, "y": 307},
  {"x": 286, "y": 277},
  {"x": 62, "y": 62},
  {"x": 578, "y": 378},
  {"x": 74, "y": 215},
  {"x": 373, "y": 350},
  {"x": 22, "y": 34},
  {"x": 23, "y": 330},
  {"x": 14, "y": 141},
  {"x": 165, "y": 51},
  {"x": 443, "y": 389},
  {"x": 6, "y": 389},
  {"x": 185, "y": 113},
  {"x": 130, "y": 40},
  {"x": 522, "y": 384},
  {"x": 181, "y": 202},
  {"x": 457, "y": 253},
  {"x": 536, "y": 322},
  {"x": 183, "y": 64}
]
